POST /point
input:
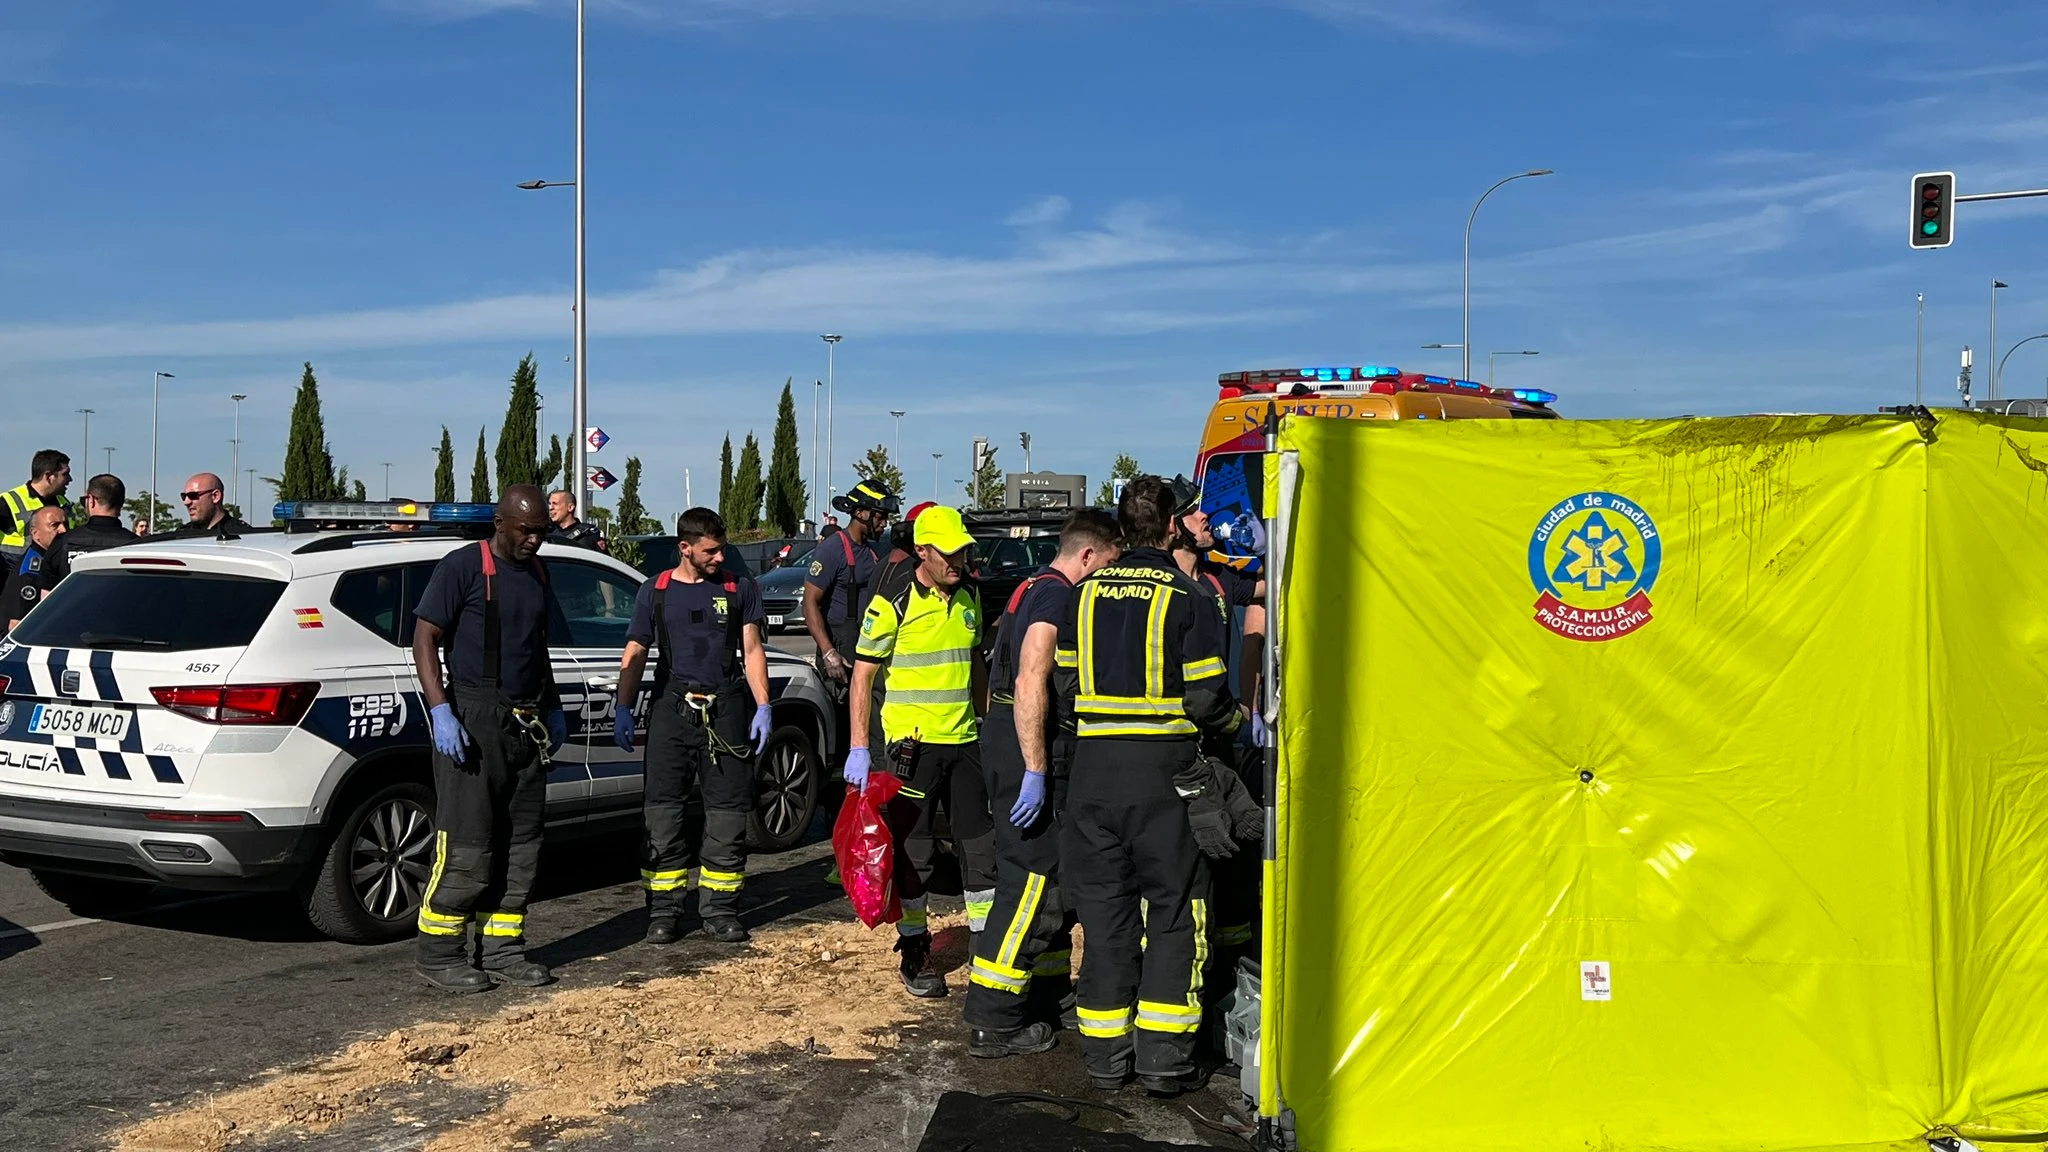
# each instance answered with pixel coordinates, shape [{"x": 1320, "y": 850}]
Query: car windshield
[
  {"x": 152, "y": 609},
  {"x": 1009, "y": 554}
]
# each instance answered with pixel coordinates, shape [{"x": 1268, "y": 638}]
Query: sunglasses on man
[{"x": 196, "y": 495}]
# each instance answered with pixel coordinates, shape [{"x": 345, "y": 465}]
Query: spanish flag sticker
[{"x": 308, "y": 617}]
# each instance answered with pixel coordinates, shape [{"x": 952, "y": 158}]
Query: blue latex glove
[
  {"x": 558, "y": 731},
  {"x": 1260, "y": 736},
  {"x": 622, "y": 729},
  {"x": 1030, "y": 803},
  {"x": 757, "y": 731},
  {"x": 450, "y": 738},
  {"x": 857, "y": 764}
]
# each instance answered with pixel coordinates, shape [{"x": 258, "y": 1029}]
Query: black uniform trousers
[
  {"x": 688, "y": 742},
  {"x": 1130, "y": 866},
  {"x": 1235, "y": 882},
  {"x": 948, "y": 775},
  {"x": 1023, "y": 965},
  {"x": 488, "y": 812}
]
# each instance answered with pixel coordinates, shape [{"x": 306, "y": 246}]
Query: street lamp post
[
  {"x": 1491, "y": 355},
  {"x": 579, "y": 462},
  {"x": 1996, "y": 363},
  {"x": 898, "y": 414},
  {"x": 156, "y": 380},
  {"x": 1467, "y": 345},
  {"x": 110, "y": 460},
  {"x": 1441, "y": 347},
  {"x": 238, "y": 398},
  {"x": 817, "y": 490},
  {"x": 935, "y": 476},
  {"x": 249, "y": 489},
  {"x": 85, "y": 450},
  {"x": 831, "y": 340},
  {"x": 2000, "y": 370},
  {"x": 387, "y": 479},
  {"x": 1919, "y": 342}
]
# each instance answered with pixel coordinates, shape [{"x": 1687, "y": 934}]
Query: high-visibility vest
[
  {"x": 21, "y": 502},
  {"x": 929, "y": 642}
]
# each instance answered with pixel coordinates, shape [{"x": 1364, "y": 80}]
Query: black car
[{"x": 1009, "y": 545}]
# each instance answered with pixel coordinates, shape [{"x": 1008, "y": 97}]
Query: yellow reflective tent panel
[{"x": 1620, "y": 803}]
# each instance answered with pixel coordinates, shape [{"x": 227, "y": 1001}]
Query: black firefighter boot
[
  {"x": 988, "y": 1044},
  {"x": 443, "y": 962},
  {"x": 920, "y": 979}
]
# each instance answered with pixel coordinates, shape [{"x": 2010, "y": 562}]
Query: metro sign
[
  {"x": 595, "y": 437},
  {"x": 602, "y": 479}
]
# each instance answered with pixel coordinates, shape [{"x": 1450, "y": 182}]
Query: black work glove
[
  {"x": 1247, "y": 819},
  {"x": 1211, "y": 824}
]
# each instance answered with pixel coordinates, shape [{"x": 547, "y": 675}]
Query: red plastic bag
[{"x": 866, "y": 852}]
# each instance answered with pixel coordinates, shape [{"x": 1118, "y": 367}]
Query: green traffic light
[{"x": 1930, "y": 228}]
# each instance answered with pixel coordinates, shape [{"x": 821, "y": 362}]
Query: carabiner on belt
[{"x": 528, "y": 722}]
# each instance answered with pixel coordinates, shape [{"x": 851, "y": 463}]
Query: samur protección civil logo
[{"x": 1594, "y": 558}]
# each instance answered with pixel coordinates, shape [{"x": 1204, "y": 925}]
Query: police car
[{"x": 242, "y": 715}]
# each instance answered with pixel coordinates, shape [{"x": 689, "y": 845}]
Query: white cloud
[{"x": 1046, "y": 210}]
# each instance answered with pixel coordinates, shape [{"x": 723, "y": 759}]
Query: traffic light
[{"x": 1934, "y": 210}]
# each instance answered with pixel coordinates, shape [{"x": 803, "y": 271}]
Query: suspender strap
[
  {"x": 491, "y": 628},
  {"x": 661, "y": 663},
  {"x": 733, "y": 627},
  {"x": 853, "y": 605}
]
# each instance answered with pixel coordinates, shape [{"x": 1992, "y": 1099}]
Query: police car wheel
[
  {"x": 375, "y": 870},
  {"x": 89, "y": 895},
  {"x": 785, "y": 791}
]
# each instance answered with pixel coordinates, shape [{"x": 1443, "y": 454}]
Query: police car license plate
[
  {"x": 775, "y": 621},
  {"x": 66, "y": 720}
]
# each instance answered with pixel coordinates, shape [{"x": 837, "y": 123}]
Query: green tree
[
  {"x": 725, "y": 480},
  {"x": 444, "y": 469},
  {"x": 359, "y": 491},
  {"x": 519, "y": 436},
  {"x": 787, "y": 494},
  {"x": 551, "y": 467},
  {"x": 879, "y": 469},
  {"x": 138, "y": 511},
  {"x": 308, "y": 465},
  {"x": 746, "y": 488},
  {"x": 601, "y": 516},
  {"x": 1125, "y": 468},
  {"x": 985, "y": 487},
  {"x": 632, "y": 516},
  {"x": 480, "y": 474}
]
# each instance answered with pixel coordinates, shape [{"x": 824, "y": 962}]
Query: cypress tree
[
  {"x": 519, "y": 436},
  {"x": 725, "y": 481},
  {"x": 746, "y": 488},
  {"x": 632, "y": 514},
  {"x": 444, "y": 469},
  {"x": 787, "y": 496},
  {"x": 552, "y": 466},
  {"x": 480, "y": 475},
  {"x": 308, "y": 465}
]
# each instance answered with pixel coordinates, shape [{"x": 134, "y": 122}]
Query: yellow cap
[{"x": 942, "y": 528}]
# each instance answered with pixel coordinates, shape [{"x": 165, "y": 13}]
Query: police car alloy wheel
[
  {"x": 392, "y": 857},
  {"x": 785, "y": 791}
]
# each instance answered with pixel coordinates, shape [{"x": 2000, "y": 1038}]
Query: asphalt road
[{"x": 106, "y": 1023}]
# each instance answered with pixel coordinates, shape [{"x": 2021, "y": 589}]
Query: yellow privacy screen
[{"x": 1620, "y": 806}]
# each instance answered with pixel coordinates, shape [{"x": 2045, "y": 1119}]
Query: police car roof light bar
[{"x": 354, "y": 512}]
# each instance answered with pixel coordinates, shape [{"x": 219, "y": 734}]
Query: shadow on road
[{"x": 15, "y": 938}]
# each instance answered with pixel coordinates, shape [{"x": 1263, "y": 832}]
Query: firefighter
[
  {"x": 710, "y": 705},
  {"x": 842, "y": 576},
  {"x": 1140, "y": 655},
  {"x": 926, "y": 630},
  {"x": 1234, "y": 882},
  {"x": 495, "y": 726},
  {"x": 1020, "y": 980}
]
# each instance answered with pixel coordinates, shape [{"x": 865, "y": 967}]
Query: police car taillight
[{"x": 240, "y": 703}]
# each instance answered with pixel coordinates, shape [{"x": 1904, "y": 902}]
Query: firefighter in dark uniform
[
  {"x": 1234, "y": 882},
  {"x": 1140, "y": 656},
  {"x": 708, "y": 721},
  {"x": 841, "y": 579},
  {"x": 495, "y": 726},
  {"x": 1021, "y": 978}
]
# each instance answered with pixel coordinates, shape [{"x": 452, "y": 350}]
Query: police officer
[
  {"x": 495, "y": 726},
  {"x": 842, "y": 576},
  {"x": 1141, "y": 658},
  {"x": 41, "y": 566},
  {"x": 105, "y": 497},
  {"x": 1234, "y": 881},
  {"x": 1020, "y": 979},
  {"x": 49, "y": 473},
  {"x": 710, "y": 704},
  {"x": 568, "y": 530},
  {"x": 206, "y": 510},
  {"x": 927, "y": 631}
]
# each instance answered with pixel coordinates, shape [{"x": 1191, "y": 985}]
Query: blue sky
[{"x": 1055, "y": 216}]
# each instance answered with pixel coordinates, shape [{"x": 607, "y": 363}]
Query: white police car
[{"x": 242, "y": 715}]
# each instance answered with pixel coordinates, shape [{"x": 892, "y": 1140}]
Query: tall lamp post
[
  {"x": 238, "y": 398},
  {"x": 580, "y": 410},
  {"x": 387, "y": 479},
  {"x": 831, "y": 340},
  {"x": 2000, "y": 371},
  {"x": 817, "y": 490},
  {"x": 1491, "y": 355},
  {"x": 935, "y": 476},
  {"x": 156, "y": 380},
  {"x": 1997, "y": 365},
  {"x": 85, "y": 450},
  {"x": 1467, "y": 345},
  {"x": 1919, "y": 342},
  {"x": 898, "y": 414},
  {"x": 110, "y": 459}
]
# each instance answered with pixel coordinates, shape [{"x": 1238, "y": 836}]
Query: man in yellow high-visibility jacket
[{"x": 49, "y": 474}]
